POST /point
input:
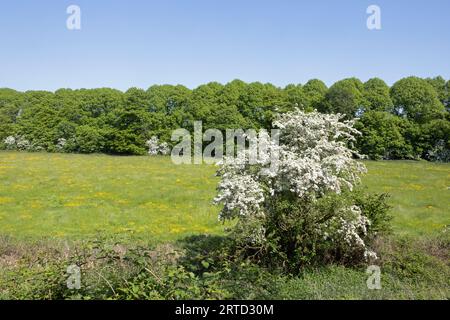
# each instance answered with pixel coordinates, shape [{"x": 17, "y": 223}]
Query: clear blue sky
[{"x": 125, "y": 43}]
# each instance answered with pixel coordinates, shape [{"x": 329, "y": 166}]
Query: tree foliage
[
  {"x": 345, "y": 97},
  {"x": 110, "y": 121},
  {"x": 376, "y": 96},
  {"x": 416, "y": 99}
]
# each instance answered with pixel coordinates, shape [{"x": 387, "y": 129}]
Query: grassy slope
[{"x": 66, "y": 195}]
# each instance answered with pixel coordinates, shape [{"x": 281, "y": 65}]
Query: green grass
[
  {"x": 78, "y": 196},
  {"x": 420, "y": 194},
  {"x": 46, "y": 199}
]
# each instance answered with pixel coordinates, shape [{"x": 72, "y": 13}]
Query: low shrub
[{"x": 205, "y": 267}]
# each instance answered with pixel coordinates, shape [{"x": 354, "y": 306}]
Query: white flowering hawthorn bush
[
  {"x": 21, "y": 143},
  {"x": 10, "y": 142},
  {"x": 298, "y": 205},
  {"x": 155, "y": 147},
  {"x": 61, "y": 144},
  {"x": 164, "y": 148},
  {"x": 18, "y": 143}
]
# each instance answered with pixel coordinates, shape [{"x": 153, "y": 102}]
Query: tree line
[{"x": 409, "y": 120}]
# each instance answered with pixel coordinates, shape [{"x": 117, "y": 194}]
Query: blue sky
[{"x": 126, "y": 43}]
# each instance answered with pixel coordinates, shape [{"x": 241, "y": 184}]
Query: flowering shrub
[
  {"x": 155, "y": 148},
  {"x": 61, "y": 143},
  {"x": 298, "y": 205},
  {"x": 10, "y": 142},
  {"x": 18, "y": 143},
  {"x": 164, "y": 149}
]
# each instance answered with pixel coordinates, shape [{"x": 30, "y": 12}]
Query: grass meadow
[
  {"x": 79, "y": 196},
  {"x": 48, "y": 200}
]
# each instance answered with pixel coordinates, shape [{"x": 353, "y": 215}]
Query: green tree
[
  {"x": 39, "y": 119},
  {"x": 439, "y": 85},
  {"x": 345, "y": 97},
  {"x": 258, "y": 103},
  {"x": 11, "y": 105},
  {"x": 108, "y": 120},
  {"x": 88, "y": 140},
  {"x": 434, "y": 140},
  {"x": 295, "y": 97},
  {"x": 447, "y": 101},
  {"x": 128, "y": 124},
  {"x": 168, "y": 98},
  {"x": 315, "y": 91},
  {"x": 232, "y": 92},
  {"x": 225, "y": 117},
  {"x": 416, "y": 99},
  {"x": 205, "y": 99},
  {"x": 382, "y": 136},
  {"x": 376, "y": 96}
]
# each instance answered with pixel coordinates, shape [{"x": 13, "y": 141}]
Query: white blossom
[
  {"x": 61, "y": 143},
  {"x": 155, "y": 148},
  {"x": 314, "y": 157},
  {"x": 10, "y": 142},
  {"x": 164, "y": 148},
  {"x": 241, "y": 195},
  {"x": 23, "y": 144}
]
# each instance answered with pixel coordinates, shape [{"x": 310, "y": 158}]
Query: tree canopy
[{"x": 408, "y": 120}]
